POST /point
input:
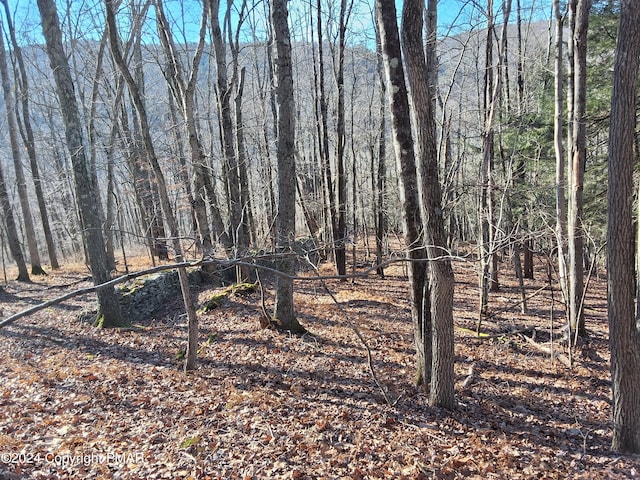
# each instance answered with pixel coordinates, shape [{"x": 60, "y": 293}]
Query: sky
[{"x": 454, "y": 16}]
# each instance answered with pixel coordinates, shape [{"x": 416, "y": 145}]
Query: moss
[
  {"x": 102, "y": 322},
  {"x": 217, "y": 298},
  {"x": 214, "y": 302},
  {"x": 99, "y": 321}
]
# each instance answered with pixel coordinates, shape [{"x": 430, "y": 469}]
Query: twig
[{"x": 356, "y": 330}]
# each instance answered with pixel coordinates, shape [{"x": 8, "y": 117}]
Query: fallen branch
[{"x": 558, "y": 356}]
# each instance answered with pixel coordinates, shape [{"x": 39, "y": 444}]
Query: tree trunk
[
  {"x": 381, "y": 176},
  {"x": 10, "y": 109},
  {"x": 12, "y": 232},
  {"x": 576, "y": 170},
  {"x": 341, "y": 140},
  {"x": 183, "y": 91},
  {"x": 28, "y": 139},
  {"x": 440, "y": 272},
  {"x": 558, "y": 136},
  {"x": 624, "y": 336},
  {"x": 409, "y": 188},
  {"x": 487, "y": 229},
  {"x": 329, "y": 191},
  {"x": 286, "y": 219},
  {"x": 192, "y": 342},
  {"x": 224, "y": 88},
  {"x": 109, "y": 308}
]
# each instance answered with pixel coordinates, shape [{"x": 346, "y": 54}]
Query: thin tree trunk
[
  {"x": 28, "y": 139},
  {"x": 323, "y": 140},
  {"x": 487, "y": 228},
  {"x": 558, "y": 136},
  {"x": 576, "y": 170},
  {"x": 192, "y": 343},
  {"x": 441, "y": 281},
  {"x": 224, "y": 87},
  {"x": 12, "y": 232},
  {"x": 409, "y": 189},
  {"x": 381, "y": 177},
  {"x": 341, "y": 140},
  {"x": 10, "y": 108}
]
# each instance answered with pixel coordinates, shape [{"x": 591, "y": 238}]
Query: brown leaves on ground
[{"x": 78, "y": 402}]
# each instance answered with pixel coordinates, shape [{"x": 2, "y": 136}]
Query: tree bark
[
  {"x": 28, "y": 139},
  {"x": 624, "y": 336},
  {"x": 558, "y": 136},
  {"x": 440, "y": 272},
  {"x": 286, "y": 114},
  {"x": 109, "y": 308},
  {"x": 224, "y": 88},
  {"x": 381, "y": 176},
  {"x": 10, "y": 109},
  {"x": 409, "y": 188},
  {"x": 12, "y": 232},
  {"x": 577, "y": 168},
  {"x": 341, "y": 140},
  {"x": 192, "y": 342}
]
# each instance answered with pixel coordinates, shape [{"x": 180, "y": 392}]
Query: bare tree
[
  {"x": 624, "y": 333},
  {"x": 192, "y": 343},
  {"x": 22, "y": 84},
  {"x": 10, "y": 109},
  {"x": 286, "y": 219},
  {"x": 183, "y": 91},
  {"x": 561, "y": 163},
  {"x": 440, "y": 273},
  {"x": 580, "y": 9},
  {"x": 12, "y": 232},
  {"x": 341, "y": 176},
  {"x": 109, "y": 314},
  {"x": 224, "y": 89},
  {"x": 409, "y": 188}
]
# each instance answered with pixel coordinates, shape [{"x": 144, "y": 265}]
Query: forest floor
[{"x": 78, "y": 402}]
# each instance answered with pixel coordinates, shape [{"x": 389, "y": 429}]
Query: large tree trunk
[
  {"x": 440, "y": 272},
  {"x": 109, "y": 314},
  {"x": 286, "y": 220},
  {"x": 409, "y": 188},
  {"x": 624, "y": 336}
]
